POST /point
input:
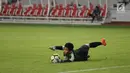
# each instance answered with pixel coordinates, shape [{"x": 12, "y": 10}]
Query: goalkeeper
[{"x": 80, "y": 54}]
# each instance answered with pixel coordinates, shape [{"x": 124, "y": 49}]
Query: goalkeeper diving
[{"x": 80, "y": 54}]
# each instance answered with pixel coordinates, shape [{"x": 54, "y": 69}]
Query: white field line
[{"x": 94, "y": 69}]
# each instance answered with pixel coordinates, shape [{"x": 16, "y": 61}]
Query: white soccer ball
[{"x": 55, "y": 58}]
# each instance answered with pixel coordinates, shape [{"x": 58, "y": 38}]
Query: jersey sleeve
[{"x": 57, "y": 47}]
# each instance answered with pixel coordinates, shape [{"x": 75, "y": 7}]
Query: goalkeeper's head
[{"x": 69, "y": 46}]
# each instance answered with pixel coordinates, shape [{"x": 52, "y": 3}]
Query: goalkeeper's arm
[{"x": 56, "y": 48}]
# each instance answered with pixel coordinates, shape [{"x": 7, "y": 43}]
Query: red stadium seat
[
  {"x": 18, "y": 11},
  {"x": 67, "y": 11},
  {"x": 74, "y": 11},
  {"x": 27, "y": 11},
  {"x": 104, "y": 11},
  {"x": 45, "y": 10},
  {"x": 83, "y": 11},
  {"x": 12, "y": 9},
  {"x": 61, "y": 11},
  {"x": 34, "y": 10},
  {"x": 5, "y": 10},
  {"x": 39, "y": 5},
  {"x": 54, "y": 11},
  {"x": 40, "y": 10}
]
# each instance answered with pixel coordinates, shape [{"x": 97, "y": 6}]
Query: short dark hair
[{"x": 69, "y": 45}]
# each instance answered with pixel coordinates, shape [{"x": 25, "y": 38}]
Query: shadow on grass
[{"x": 96, "y": 60}]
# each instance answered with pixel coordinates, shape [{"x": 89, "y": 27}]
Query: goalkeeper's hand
[{"x": 52, "y": 48}]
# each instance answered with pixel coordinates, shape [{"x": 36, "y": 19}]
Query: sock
[{"x": 94, "y": 44}]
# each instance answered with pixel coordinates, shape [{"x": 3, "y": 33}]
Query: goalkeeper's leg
[{"x": 95, "y": 44}]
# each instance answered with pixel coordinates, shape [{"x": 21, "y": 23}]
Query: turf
[{"x": 24, "y": 48}]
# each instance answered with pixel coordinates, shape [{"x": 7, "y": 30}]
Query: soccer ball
[{"x": 55, "y": 58}]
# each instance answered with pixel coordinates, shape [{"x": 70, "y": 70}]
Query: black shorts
[{"x": 82, "y": 52}]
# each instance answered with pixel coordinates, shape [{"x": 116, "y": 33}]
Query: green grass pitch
[{"x": 24, "y": 48}]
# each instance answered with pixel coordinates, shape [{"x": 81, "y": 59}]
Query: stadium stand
[{"x": 67, "y": 12}]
